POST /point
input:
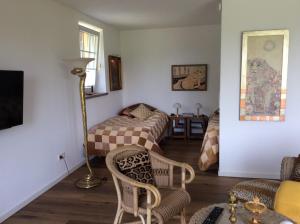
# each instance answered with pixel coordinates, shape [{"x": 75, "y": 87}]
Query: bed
[
  {"x": 209, "y": 153},
  {"x": 127, "y": 130}
]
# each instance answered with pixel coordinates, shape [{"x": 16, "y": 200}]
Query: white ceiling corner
[{"x": 145, "y": 14}]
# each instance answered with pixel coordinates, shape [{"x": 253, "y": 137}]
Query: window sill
[{"x": 93, "y": 95}]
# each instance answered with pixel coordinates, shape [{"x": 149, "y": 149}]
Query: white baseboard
[
  {"x": 5, "y": 215},
  {"x": 249, "y": 174}
]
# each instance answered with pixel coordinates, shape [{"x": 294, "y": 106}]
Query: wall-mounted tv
[{"x": 11, "y": 98}]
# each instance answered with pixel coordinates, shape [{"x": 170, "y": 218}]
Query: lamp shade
[
  {"x": 198, "y": 105},
  {"x": 177, "y": 105},
  {"x": 78, "y": 65}
]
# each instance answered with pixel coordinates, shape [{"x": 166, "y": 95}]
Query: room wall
[
  {"x": 35, "y": 36},
  {"x": 147, "y": 56},
  {"x": 255, "y": 149}
]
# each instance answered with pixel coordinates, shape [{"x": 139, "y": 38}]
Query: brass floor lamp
[{"x": 78, "y": 68}]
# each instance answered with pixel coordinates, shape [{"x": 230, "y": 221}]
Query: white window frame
[{"x": 100, "y": 79}]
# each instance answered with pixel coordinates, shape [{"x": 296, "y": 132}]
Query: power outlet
[{"x": 61, "y": 156}]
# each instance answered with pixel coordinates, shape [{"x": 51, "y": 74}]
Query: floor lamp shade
[{"x": 78, "y": 65}]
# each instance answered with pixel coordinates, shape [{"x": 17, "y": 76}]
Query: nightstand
[
  {"x": 178, "y": 127},
  {"x": 196, "y": 126}
]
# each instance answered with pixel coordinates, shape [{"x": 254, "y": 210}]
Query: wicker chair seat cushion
[
  {"x": 264, "y": 189},
  {"x": 172, "y": 203}
]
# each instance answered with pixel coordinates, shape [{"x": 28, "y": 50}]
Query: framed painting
[
  {"x": 115, "y": 77},
  {"x": 189, "y": 77},
  {"x": 264, "y": 75}
]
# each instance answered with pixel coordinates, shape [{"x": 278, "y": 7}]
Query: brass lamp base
[{"x": 88, "y": 181}]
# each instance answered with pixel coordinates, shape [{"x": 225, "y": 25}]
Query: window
[
  {"x": 89, "y": 47},
  {"x": 92, "y": 46}
]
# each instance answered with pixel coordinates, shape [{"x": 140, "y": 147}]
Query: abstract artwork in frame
[
  {"x": 189, "y": 77},
  {"x": 115, "y": 78},
  {"x": 264, "y": 75}
]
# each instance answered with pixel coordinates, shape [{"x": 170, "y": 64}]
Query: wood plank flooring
[{"x": 66, "y": 204}]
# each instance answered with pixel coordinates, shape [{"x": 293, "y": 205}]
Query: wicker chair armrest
[
  {"x": 135, "y": 184},
  {"x": 190, "y": 170},
  {"x": 287, "y": 166},
  {"x": 172, "y": 163}
]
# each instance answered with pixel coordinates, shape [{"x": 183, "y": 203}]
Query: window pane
[
  {"x": 86, "y": 41},
  {"x": 81, "y": 40},
  {"x": 90, "y": 77},
  {"x": 85, "y": 54},
  {"x": 96, "y": 44},
  {"x": 93, "y": 63},
  {"x": 89, "y": 49}
]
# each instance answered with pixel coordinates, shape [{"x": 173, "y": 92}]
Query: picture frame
[
  {"x": 264, "y": 75},
  {"x": 192, "y": 77},
  {"x": 115, "y": 73}
]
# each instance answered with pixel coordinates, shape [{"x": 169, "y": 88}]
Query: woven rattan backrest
[
  {"x": 287, "y": 166},
  {"x": 161, "y": 171}
]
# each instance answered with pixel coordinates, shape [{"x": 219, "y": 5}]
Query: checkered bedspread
[
  {"x": 209, "y": 153},
  {"x": 123, "y": 130}
]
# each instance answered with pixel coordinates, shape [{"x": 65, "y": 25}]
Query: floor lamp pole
[
  {"x": 79, "y": 69},
  {"x": 89, "y": 180},
  {"x": 84, "y": 119}
]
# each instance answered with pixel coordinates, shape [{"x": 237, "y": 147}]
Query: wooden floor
[{"x": 66, "y": 204}]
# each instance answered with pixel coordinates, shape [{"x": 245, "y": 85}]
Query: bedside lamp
[
  {"x": 177, "y": 106},
  {"x": 78, "y": 68},
  {"x": 198, "y": 106}
]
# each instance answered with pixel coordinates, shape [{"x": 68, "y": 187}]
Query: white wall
[
  {"x": 255, "y": 149},
  {"x": 147, "y": 56},
  {"x": 35, "y": 36}
]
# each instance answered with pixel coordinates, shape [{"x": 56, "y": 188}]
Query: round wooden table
[{"x": 243, "y": 215}]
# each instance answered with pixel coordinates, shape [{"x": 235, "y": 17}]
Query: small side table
[
  {"x": 243, "y": 216},
  {"x": 178, "y": 127},
  {"x": 196, "y": 126}
]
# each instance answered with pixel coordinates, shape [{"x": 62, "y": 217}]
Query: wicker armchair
[
  {"x": 162, "y": 201},
  {"x": 263, "y": 188}
]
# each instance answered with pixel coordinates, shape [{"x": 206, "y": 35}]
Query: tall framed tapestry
[
  {"x": 189, "y": 77},
  {"x": 264, "y": 75},
  {"x": 115, "y": 75}
]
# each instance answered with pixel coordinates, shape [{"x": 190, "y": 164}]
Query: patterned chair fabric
[{"x": 264, "y": 189}]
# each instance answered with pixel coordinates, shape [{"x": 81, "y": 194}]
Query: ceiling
[{"x": 145, "y": 14}]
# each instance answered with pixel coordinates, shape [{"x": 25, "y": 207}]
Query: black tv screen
[{"x": 11, "y": 98}]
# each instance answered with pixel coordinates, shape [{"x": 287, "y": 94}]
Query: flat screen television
[{"x": 11, "y": 98}]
